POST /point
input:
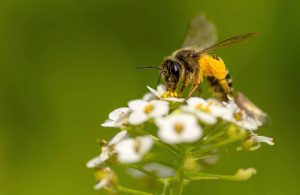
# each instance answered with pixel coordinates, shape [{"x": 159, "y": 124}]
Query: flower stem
[
  {"x": 132, "y": 191},
  {"x": 177, "y": 187}
]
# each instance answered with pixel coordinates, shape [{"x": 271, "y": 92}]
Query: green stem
[
  {"x": 166, "y": 187},
  {"x": 178, "y": 185},
  {"x": 132, "y": 191},
  {"x": 208, "y": 176}
]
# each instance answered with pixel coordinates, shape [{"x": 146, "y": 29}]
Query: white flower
[
  {"x": 202, "y": 109},
  {"x": 263, "y": 139},
  {"x": 162, "y": 93},
  {"x": 116, "y": 117},
  {"x": 106, "y": 150},
  {"x": 241, "y": 118},
  {"x": 159, "y": 170},
  {"x": 143, "y": 110},
  {"x": 179, "y": 128},
  {"x": 253, "y": 142},
  {"x": 149, "y": 96},
  {"x": 105, "y": 178},
  {"x": 132, "y": 150}
]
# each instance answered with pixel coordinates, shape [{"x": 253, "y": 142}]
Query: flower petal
[
  {"x": 109, "y": 123},
  {"x": 160, "y": 108},
  {"x": 118, "y": 113},
  {"x": 264, "y": 139},
  {"x": 101, "y": 184},
  {"x": 156, "y": 93},
  {"x": 145, "y": 144},
  {"x": 94, "y": 162},
  {"x": 137, "y": 118},
  {"x": 137, "y": 104},
  {"x": 126, "y": 151},
  {"x": 206, "y": 118},
  {"x": 118, "y": 137}
]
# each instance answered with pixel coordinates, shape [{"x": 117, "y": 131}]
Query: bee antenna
[{"x": 148, "y": 67}]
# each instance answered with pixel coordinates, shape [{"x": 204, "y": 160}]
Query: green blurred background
[{"x": 64, "y": 65}]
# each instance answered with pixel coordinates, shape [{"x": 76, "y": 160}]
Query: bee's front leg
[
  {"x": 185, "y": 83},
  {"x": 195, "y": 83}
]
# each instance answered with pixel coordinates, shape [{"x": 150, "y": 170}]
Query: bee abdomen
[
  {"x": 229, "y": 81},
  {"x": 219, "y": 87}
]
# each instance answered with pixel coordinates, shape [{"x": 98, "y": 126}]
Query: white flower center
[
  {"x": 178, "y": 127},
  {"x": 148, "y": 109},
  {"x": 238, "y": 116},
  {"x": 121, "y": 114},
  {"x": 202, "y": 107},
  {"x": 137, "y": 146}
]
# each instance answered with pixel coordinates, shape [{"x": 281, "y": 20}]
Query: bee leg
[
  {"x": 195, "y": 83},
  {"x": 185, "y": 83}
]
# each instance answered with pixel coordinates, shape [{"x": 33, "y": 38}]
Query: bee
[{"x": 192, "y": 63}]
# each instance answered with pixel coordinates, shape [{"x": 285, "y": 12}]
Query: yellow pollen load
[
  {"x": 202, "y": 108},
  {"x": 149, "y": 108},
  {"x": 211, "y": 67},
  {"x": 178, "y": 128}
]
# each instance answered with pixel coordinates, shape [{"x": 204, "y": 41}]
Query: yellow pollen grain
[
  {"x": 137, "y": 146},
  {"x": 178, "y": 128},
  {"x": 168, "y": 94},
  {"x": 202, "y": 108},
  {"x": 149, "y": 108},
  {"x": 238, "y": 116}
]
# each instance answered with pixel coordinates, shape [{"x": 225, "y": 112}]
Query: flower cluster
[{"x": 161, "y": 128}]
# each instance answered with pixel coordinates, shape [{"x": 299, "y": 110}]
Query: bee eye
[{"x": 175, "y": 68}]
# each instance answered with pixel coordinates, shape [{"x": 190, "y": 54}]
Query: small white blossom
[
  {"x": 105, "y": 178},
  {"x": 253, "y": 142},
  {"x": 162, "y": 93},
  {"x": 263, "y": 139},
  {"x": 143, "y": 110},
  {"x": 179, "y": 128},
  {"x": 116, "y": 117},
  {"x": 159, "y": 170},
  {"x": 132, "y": 150},
  {"x": 149, "y": 96},
  {"x": 106, "y": 150},
  {"x": 241, "y": 118}
]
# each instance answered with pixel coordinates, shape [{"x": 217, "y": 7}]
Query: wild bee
[{"x": 192, "y": 64}]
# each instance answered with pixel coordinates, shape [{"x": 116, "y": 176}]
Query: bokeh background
[{"x": 65, "y": 64}]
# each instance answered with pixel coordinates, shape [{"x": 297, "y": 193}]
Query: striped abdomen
[{"x": 221, "y": 88}]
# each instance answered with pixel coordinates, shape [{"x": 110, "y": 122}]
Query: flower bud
[{"x": 244, "y": 174}]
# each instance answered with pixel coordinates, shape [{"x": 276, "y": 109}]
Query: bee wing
[
  {"x": 231, "y": 41},
  {"x": 251, "y": 109},
  {"x": 200, "y": 33}
]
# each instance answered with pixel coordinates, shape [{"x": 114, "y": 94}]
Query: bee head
[{"x": 171, "y": 72}]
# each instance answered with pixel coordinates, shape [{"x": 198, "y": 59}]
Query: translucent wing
[
  {"x": 232, "y": 41},
  {"x": 200, "y": 33}
]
